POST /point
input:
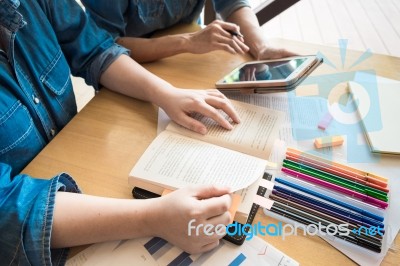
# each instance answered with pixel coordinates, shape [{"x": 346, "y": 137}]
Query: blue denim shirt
[
  {"x": 140, "y": 18},
  {"x": 42, "y": 42}
]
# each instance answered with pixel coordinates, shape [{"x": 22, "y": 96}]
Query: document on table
[
  {"x": 300, "y": 127},
  {"x": 302, "y": 118},
  {"x": 156, "y": 251}
]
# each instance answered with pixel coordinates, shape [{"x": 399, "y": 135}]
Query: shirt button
[
  {"x": 36, "y": 100},
  {"x": 52, "y": 132}
]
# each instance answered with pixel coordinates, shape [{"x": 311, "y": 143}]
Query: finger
[
  {"x": 286, "y": 53},
  {"x": 253, "y": 75},
  {"x": 224, "y": 47},
  {"x": 222, "y": 219},
  {"x": 208, "y": 109},
  {"x": 226, "y": 106},
  {"x": 192, "y": 124},
  {"x": 241, "y": 44},
  {"x": 230, "y": 27},
  {"x": 248, "y": 73},
  {"x": 209, "y": 191},
  {"x": 216, "y": 207},
  {"x": 210, "y": 246},
  {"x": 216, "y": 93},
  {"x": 232, "y": 42}
]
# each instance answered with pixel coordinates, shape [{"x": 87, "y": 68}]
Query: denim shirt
[
  {"x": 42, "y": 43},
  {"x": 140, "y": 18}
]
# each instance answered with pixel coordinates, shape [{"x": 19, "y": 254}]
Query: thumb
[{"x": 209, "y": 191}]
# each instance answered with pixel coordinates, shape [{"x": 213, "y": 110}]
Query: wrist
[
  {"x": 184, "y": 42},
  {"x": 155, "y": 218}
]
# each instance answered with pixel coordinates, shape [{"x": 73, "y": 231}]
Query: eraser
[
  {"x": 330, "y": 141},
  {"x": 325, "y": 121}
]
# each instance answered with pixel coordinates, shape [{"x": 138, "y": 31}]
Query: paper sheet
[
  {"x": 155, "y": 251},
  {"x": 308, "y": 112}
]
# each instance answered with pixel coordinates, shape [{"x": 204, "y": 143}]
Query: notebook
[{"x": 378, "y": 105}]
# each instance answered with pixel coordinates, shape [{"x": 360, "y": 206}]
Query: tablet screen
[{"x": 265, "y": 71}]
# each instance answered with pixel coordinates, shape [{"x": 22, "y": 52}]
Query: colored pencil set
[{"x": 300, "y": 196}]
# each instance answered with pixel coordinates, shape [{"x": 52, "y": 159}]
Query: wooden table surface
[{"x": 102, "y": 143}]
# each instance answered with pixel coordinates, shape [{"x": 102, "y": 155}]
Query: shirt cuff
[
  {"x": 229, "y": 9},
  {"x": 65, "y": 183},
  {"x": 103, "y": 61}
]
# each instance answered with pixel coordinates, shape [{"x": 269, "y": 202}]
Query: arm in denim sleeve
[
  {"x": 88, "y": 49},
  {"x": 26, "y": 211},
  {"x": 226, "y": 7}
]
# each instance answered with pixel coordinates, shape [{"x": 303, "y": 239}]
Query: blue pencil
[
  {"x": 326, "y": 208},
  {"x": 330, "y": 199}
]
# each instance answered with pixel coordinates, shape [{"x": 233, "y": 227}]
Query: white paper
[
  {"x": 133, "y": 252},
  {"x": 385, "y": 166}
]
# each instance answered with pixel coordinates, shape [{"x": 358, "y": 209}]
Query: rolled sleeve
[
  {"x": 88, "y": 49},
  {"x": 27, "y": 208},
  {"x": 102, "y": 62},
  {"x": 225, "y": 7}
]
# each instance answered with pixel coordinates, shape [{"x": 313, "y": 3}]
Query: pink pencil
[{"x": 355, "y": 194}]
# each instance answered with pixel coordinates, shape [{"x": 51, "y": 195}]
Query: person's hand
[
  {"x": 217, "y": 36},
  {"x": 179, "y": 104},
  {"x": 206, "y": 204},
  {"x": 268, "y": 52},
  {"x": 248, "y": 73}
]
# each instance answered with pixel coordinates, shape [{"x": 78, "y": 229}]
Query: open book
[{"x": 236, "y": 158}]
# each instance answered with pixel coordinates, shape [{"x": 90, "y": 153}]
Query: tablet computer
[{"x": 270, "y": 75}]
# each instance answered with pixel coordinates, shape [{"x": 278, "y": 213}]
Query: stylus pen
[
  {"x": 331, "y": 178},
  {"x": 354, "y": 194},
  {"x": 329, "y": 199},
  {"x": 356, "y": 173},
  {"x": 328, "y": 169},
  {"x": 377, "y": 238},
  {"x": 285, "y": 212},
  {"x": 325, "y": 208},
  {"x": 235, "y": 33}
]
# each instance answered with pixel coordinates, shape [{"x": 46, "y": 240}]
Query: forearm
[
  {"x": 250, "y": 28},
  {"x": 83, "y": 219},
  {"x": 127, "y": 77},
  {"x": 147, "y": 50}
]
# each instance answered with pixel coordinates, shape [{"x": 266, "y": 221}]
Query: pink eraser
[{"x": 325, "y": 121}]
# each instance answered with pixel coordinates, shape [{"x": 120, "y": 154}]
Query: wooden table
[{"x": 102, "y": 143}]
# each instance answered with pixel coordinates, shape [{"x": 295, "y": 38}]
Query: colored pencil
[
  {"x": 330, "y": 199},
  {"x": 350, "y": 171},
  {"x": 351, "y": 193}
]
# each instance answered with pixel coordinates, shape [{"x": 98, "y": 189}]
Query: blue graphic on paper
[{"x": 346, "y": 120}]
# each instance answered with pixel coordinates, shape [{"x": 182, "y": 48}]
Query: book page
[
  {"x": 255, "y": 135},
  {"x": 305, "y": 112},
  {"x": 174, "y": 161}
]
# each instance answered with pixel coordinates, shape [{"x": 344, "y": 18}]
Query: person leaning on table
[
  {"x": 41, "y": 42},
  {"x": 131, "y": 22}
]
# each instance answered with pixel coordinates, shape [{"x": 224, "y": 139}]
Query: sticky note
[
  {"x": 263, "y": 202},
  {"x": 325, "y": 121},
  {"x": 236, "y": 200},
  {"x": 330, "y": 141},
  {"x": 166, "y": 191},
  {"x": 266, "y": 184}
]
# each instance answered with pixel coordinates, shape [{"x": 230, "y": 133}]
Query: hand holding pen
[{"x": 218, "y": 35}]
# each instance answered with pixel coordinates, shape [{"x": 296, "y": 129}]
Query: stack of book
[{"x": 316, "y": 191}]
